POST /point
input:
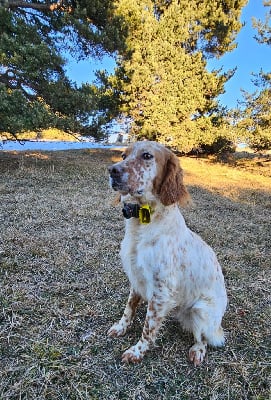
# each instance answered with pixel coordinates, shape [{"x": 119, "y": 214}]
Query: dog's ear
[{"x": 172, "y": 189}]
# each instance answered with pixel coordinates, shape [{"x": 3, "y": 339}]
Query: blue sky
[{"x": 248, "y": 57}]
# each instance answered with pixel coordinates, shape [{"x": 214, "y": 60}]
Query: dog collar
[{"x": 143, "y": 212}]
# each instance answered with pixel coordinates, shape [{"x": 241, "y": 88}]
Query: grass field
[{"x": 62, "y": 285}]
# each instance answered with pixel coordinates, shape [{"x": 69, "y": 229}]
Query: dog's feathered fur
[{"x": 169, "y": 266}]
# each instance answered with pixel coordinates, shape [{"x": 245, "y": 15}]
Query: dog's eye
[
  {"x": 147, "y": 156},
  {"x": 123, "y": 156}
]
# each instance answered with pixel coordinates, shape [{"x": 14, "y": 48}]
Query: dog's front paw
[
  {"x": 132, "y": 355},
  {"x": 197, "y": 353},
  {"x": 117, "y": 330}
]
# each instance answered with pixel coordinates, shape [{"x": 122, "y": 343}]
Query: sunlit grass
[{"x": 239, "y": 184}]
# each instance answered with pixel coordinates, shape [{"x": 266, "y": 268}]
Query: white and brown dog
[{"x": 169, "y": 266}]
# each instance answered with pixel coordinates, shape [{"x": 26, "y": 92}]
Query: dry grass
[{"x": 62, "y": 285}]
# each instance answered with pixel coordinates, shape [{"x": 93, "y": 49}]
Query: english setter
[{"x": 168, "y": 266}]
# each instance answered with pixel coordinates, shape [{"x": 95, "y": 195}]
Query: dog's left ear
[{"x": 172, "y": 189}]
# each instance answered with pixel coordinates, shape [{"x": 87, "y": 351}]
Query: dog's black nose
[{"x": 114, "y": 171}]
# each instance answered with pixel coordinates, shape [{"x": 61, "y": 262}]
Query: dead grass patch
[{"x": 62, "y": 285}]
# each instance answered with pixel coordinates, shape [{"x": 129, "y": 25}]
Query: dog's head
[{"x": 151, "y": 172}]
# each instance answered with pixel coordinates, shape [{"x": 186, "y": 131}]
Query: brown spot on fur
[{"x": 133, "y": 303}]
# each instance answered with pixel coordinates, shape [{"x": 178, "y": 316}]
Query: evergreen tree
[
  {"x": 35, "y": 91},
  {"x": 256, "y": 116},
  {"x": 162, "y": 80},
  {"x": 255, "y": 123},
  {"x": 264, "y": 28}
]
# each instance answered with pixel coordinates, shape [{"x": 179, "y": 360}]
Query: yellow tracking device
[{"x": 145, "y": 214}]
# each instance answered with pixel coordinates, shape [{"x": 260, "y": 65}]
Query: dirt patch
[{"x": 62, "y": 285}]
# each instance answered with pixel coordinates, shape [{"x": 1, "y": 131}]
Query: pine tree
[
  {"x": 34, "y": 36},
  {"x": 256, "y": 116},
  {"x": 162, "y": 79},
  {"x": 264, "y": 28}
]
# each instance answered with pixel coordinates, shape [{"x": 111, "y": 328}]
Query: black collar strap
[
  {"x": 130, "y": 210},
  {"x": 136, "y": 211}
]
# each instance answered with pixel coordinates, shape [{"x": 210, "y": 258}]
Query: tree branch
[
  {"x": 13, "y": 82},
  {"x": 13, "y": 4}
]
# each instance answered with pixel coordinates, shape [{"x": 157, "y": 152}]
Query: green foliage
[
  {"x": 162, "y": 80},
  {"x": 219, "y": 146},
  {"x": 264, "y": 28},
  {"x": 16, "y": 114},
  {"x": 256, "y": 115},
  {"x": 35, "y": 91},
  {"x": 260, "y": 140}
]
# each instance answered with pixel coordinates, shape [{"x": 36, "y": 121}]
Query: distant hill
[{"x": 46, "y": 134}]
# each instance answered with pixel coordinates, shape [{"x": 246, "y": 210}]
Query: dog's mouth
[
  {"x": 119, "y": 179},
  {"x": 124, "y": 189},
  {"x": 119, "y": 186}
]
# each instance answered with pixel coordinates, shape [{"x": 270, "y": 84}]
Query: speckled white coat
[{"x": 168, "y": 265}]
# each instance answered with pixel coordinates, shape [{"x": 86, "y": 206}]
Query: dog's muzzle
[{"x": 115, "y": 173}]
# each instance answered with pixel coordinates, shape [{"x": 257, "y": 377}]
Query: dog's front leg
[
  {"x": 153, "y": 322},
  {"x": 120, "y": 328}
]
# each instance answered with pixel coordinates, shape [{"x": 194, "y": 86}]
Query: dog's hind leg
[
  {"x": 120, "y": 328},
  {"x": 205, "y": 323}
]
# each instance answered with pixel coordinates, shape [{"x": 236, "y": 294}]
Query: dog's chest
[
  {"x": 143, "y": 257},
  {"x": 139, "y": 266}
]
